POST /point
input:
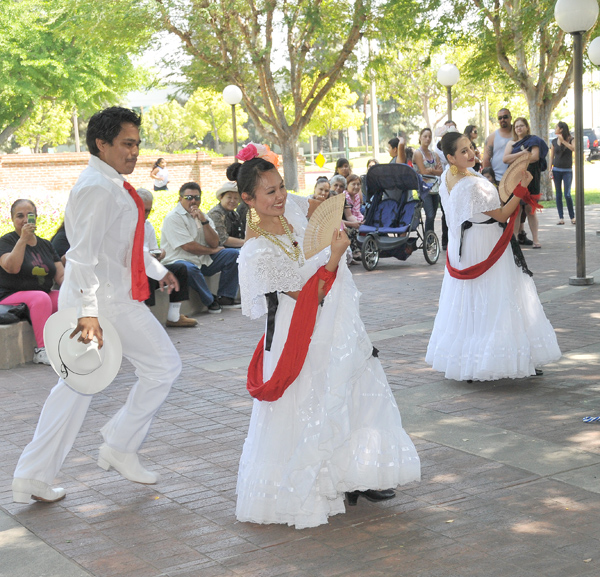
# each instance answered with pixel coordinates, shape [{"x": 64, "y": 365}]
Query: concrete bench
[{"x": 16, "y": 344}]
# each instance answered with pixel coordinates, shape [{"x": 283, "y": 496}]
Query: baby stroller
[{"x": 393, "y": 226}]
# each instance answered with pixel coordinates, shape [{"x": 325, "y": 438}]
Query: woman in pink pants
[{"x": 29, "y": 268}]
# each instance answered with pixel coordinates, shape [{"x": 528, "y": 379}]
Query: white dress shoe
[
  {"x": 128, "y": 464},
  {"x": 26, "y": 489}
]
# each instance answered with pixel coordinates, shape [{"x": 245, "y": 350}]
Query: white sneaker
[
  {"x": 40, "y": 357},
  {"x": 127, "y": 464},
  {"x": 26, "y": 489}
]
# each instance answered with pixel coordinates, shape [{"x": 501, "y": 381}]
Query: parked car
[{"x": 594, "y": 148}]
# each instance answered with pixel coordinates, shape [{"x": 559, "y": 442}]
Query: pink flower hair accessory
[{"x": 253, "y": 150}]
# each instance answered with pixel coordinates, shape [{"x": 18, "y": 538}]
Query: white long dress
[
  {"x": 491, "y": 327},
  {"x": 337, "y": 427}
]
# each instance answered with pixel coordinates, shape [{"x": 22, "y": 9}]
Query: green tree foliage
[
  {"x": 73, "y": 52},
  {"x": 335, "y": 112},
  {"x": 208, "y": 112},
  {"x": 48, "y": 125},
  {"x": 266, "y": 47},
  {"x": 165, "y": 126}
]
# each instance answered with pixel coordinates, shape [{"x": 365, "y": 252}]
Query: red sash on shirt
[
  {"x": 139, "y": 281},
  {"x": 478, "y": 269},
  {"x": 295, "y": 349}
]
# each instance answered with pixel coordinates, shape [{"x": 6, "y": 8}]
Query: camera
[{"x": 30, "y": 218}]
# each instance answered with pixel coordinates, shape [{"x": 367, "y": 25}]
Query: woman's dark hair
[
  {"x": 564, "y": 127},
  {"x": 17, "y": 202},
  {"x": 351, "y": 177},
  {"x": 394, "y": 142},
  {"x": 469, "y": 129},
  {"x": 372, "y": 160},
  {"x": 107, "y": 124},
  {"x": 248, "y": 174},
  {"x": 489, "y": 170},
  {"x": 449, "y": 141},
  {"x": 157, "y": 163},
  {"x": 409, "y": 153},
  {"x": 340, "y": 162}
]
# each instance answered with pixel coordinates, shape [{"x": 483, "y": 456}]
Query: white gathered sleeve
[{"x": 471, "y": 195}]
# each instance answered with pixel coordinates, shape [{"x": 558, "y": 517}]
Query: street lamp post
[
  {"x": 576, "y": 17},
  {"x": 233, "y": 95},
  {"x": 448, "y": 76}
]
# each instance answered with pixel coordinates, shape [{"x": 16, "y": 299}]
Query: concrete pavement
[{"x": 511, "y": 474}]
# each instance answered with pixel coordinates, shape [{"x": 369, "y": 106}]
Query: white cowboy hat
[
  {"x": 229, "y": 186},
  {"x": 85, "y": 368}
]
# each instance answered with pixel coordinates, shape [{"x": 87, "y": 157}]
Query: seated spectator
[
  {"x": 322, "y": 188},
  {"x": 229, "y": 225},
  {"x": 61, "y": 243},
  {"x": 29, "y": 267},
  {"x": 174, "y": 316},
  {"x": 338, "y": 184},
  {"x": 342, "y": 167},
  {"x": 188, "y": 236},
  {"x": 353, "y": 216}
]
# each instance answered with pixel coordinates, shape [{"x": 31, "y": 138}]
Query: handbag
[{"x": 10, "y": 314}]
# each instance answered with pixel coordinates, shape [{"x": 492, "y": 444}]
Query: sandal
[
  {"x": 561, "y": 221},
  {"x": 573, "y": 221},
  {"x": 536, "y": 245}
]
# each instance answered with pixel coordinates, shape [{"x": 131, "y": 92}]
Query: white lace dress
[
  {"x": 337, "y": 427},
  {"x": 494, "y": 326}
]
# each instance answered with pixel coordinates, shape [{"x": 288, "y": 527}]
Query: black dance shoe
[
  {"x": 371, "y": 495},
  {"x": 539, "y": 372}
]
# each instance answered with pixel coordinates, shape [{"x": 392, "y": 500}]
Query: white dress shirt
[
  {"x": 179, "y": 228},
  {"x": 100, "y": 221}
]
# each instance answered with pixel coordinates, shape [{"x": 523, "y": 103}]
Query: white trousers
[{"x": 157, "y": 364}]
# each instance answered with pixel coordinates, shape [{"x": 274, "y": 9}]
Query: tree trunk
[
  {"x": 539, "y": 120},
  {"x": 290, "y": 163}
]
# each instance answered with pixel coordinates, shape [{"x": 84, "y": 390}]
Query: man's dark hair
[
  {"x": 394, "y": 142},
  {"x": 107, "y": 124},
  {"x": 189, "y": 186}
]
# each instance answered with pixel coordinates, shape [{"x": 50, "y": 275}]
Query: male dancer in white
[{"x": 103, "y": 221}]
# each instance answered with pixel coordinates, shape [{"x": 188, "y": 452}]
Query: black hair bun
[{"x": 233, "y": 170}]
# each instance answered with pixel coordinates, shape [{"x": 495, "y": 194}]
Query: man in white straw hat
[{"x": 105, "y": 275}]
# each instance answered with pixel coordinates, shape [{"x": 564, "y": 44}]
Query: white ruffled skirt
[
  {"x": 337, "y": 428},
  {"x": 494, "y": 326}
]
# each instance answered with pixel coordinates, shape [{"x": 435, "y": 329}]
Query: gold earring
[
  {"x": 454, "y": 169},
  {"x": 253, "y": 217}
]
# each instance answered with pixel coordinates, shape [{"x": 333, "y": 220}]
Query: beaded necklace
[{"x": 294, "y": 253}]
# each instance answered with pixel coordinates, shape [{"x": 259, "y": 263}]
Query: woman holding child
[{"x": 324, "y": 423}]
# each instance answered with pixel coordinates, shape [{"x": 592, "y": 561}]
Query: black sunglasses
[
  {"x": 504, "y": 117},
  {"x": 192, "y": 197}
]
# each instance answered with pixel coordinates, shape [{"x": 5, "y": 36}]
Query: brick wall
[{"x": 58, "y": 172}]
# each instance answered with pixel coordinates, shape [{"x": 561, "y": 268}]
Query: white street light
[
  {"x": 448, "y": 76},
  {"x": 233, "y": 95},
  {"x": 576, "y": 17},
  {"x": 594, "y": 51}
]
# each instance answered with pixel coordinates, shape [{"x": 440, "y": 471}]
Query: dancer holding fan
[
  {"x": 324, "y": 422},
  {"x": 490, "y": 323}
]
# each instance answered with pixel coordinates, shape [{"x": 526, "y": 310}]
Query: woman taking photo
[
  {"x": 522, "y": 142},
  {"x": 29, "y": 267},
  {"x": 428, "y": 165},
  {"x": 490, "y": 322},
  {"x": 160, "y": 174},
  {"x": 561, "y": 169},
  {"x": 324, "y": 422}
]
